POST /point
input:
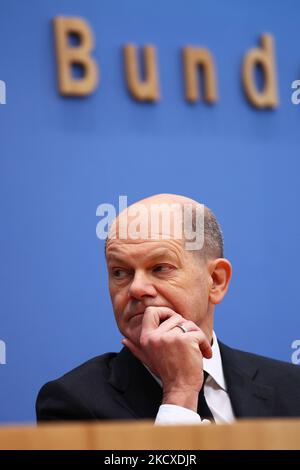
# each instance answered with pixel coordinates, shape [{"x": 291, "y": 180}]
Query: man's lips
[
  {"x": 142, "y": 311},
  {"x": 136, "y": 314}
]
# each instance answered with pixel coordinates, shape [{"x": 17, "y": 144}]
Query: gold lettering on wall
[
  {"x": 146, "y": 89},
  {"x": 265, "y": 58},
  {"x": 68, "y": 55},
  {"x": 193, "y": 59},
  {"x": 142, "y": 73}
]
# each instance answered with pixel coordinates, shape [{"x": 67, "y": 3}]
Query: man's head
[{"x": 152, "y": 266}]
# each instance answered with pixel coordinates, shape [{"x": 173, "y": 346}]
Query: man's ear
[{"x": 220, "y": 274}]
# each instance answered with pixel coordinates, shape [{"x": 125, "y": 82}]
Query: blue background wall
[{"x": 60, "y": 158}]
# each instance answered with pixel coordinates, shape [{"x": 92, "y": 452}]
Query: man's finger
[
  {"x": 189, "y": 325},
  {"x": 203, "y": 343},
  {"x": 153, "y": 316},
  {"x": 170, "y": 323}
]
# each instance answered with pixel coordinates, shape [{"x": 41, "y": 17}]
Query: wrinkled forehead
[
  {"x": 160, "y": 221},
  {"x": 138, "y": 251}
]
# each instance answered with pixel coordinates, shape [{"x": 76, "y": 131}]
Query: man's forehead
[{"x": 116, "y": 247}]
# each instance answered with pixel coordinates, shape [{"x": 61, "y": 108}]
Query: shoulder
[
  {"x": 96, "y": 369},
  {"x": 265, "y": 367},
  {"x": 72, "y": 396}
]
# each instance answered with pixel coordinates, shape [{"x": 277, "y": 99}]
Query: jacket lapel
[
  {"x": 141, "y": 395},
  {"x": 249, "y": 398},
  {"x": 139, "y": 391}
]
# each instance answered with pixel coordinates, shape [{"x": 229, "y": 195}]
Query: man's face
[{"x": 145, "y": 273}]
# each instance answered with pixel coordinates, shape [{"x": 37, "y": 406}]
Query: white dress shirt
[{"x": 215, "y": 391}]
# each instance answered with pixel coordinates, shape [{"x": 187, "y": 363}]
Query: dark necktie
[{"x": 203, "y": 409}]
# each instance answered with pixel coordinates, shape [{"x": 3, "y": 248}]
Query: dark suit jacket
[{"x": 118, "y": 386}]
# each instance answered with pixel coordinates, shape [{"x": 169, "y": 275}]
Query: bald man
[{"x": 167, "y": 272}]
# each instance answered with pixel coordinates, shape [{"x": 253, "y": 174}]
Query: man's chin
[{"x": 134, "y": 329}]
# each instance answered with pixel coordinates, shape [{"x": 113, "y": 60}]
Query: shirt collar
[{"x": 214, "y": 366}]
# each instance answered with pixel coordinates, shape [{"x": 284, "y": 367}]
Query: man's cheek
[{"x": 119, "y": 303}]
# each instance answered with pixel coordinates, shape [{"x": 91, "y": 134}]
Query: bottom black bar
[{"x": 145, "y": 458}]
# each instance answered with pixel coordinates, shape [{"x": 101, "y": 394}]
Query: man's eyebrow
[
  {"x": 158, "y": 253},
  {"x": 113, "y": 257}
]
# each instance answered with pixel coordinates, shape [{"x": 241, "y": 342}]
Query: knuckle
[
  {"x": 144, "y": 340},
  {"x": 153, "y": 340},
  {"x": 179, "y": 338},
  {"x": 164, "y": 341},
  {"x": 191, "y": 325},
  {"x": 167, "y": 339},
  {"x": 199, "y": 333},
  {"x": 178, "y": 317}
]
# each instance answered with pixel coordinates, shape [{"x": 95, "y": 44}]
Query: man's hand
[{"x": 174, "y": 356}]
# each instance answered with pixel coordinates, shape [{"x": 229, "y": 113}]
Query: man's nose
[{"x": 141, "y": 286}]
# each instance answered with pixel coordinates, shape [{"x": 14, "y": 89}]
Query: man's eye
[
  {"x": 119, "y": 273},
  {"x": 163, "y": 268}
]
